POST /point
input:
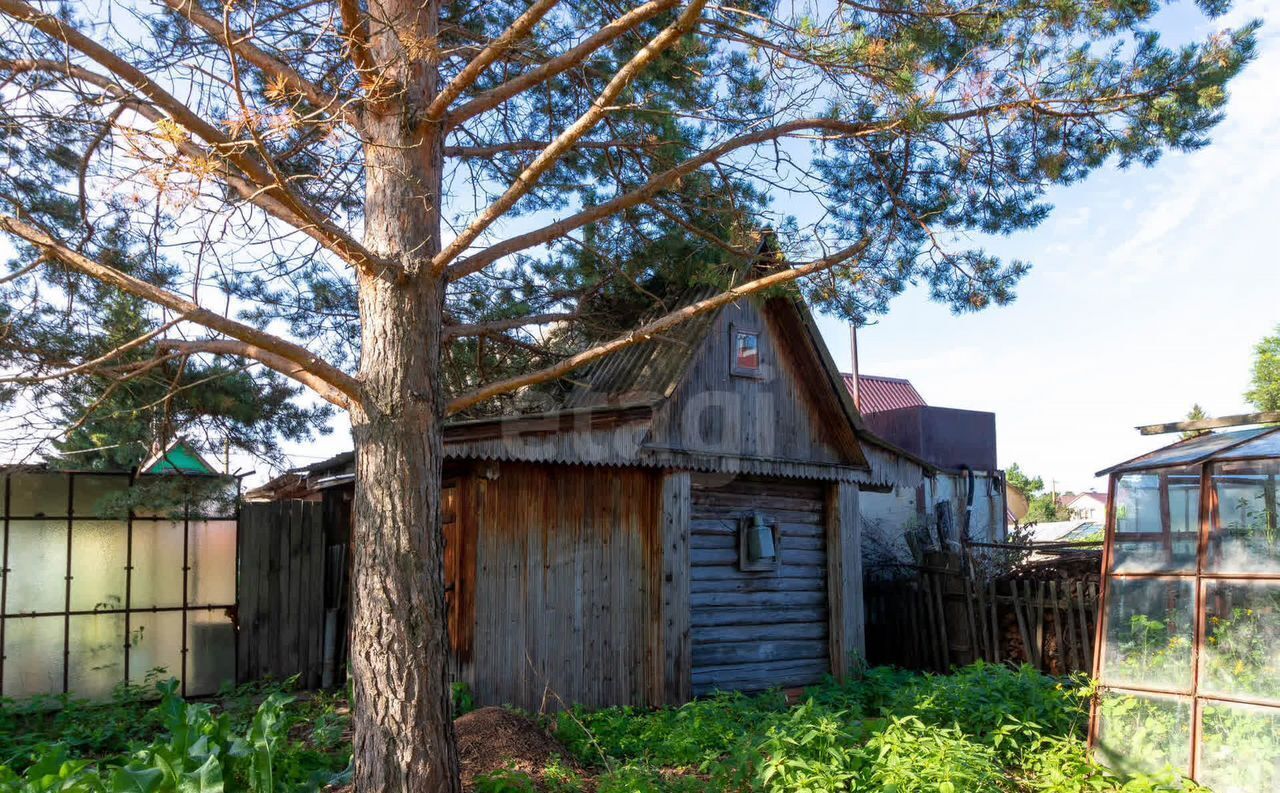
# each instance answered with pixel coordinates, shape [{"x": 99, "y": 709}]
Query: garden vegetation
[{"x": 982, "y": 728}]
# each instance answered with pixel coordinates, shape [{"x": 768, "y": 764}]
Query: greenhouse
[
  {"x": 111, "y": 577},
  {"x": 1189, "y": 657}
]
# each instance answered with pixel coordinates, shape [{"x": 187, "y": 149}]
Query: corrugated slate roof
[
  {"x": 646, "y": 372},
  {"x": 877, "y": 394}
]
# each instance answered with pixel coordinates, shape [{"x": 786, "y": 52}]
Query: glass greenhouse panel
[
  {"x": 213, "y": 562},
  {"x": 1144, "y": 734},
  {"x": 38, "y": 495},
  {"x": 33, "y": 648},
  {"x": 155, "y": 646},
  {"x": 1150, "y": 626},
  {"x": 1239, "y": 748},
  {"x": 1156, "y": 522},
  {"x": 1244, "y": 537},
  {"x": 98, "y": 564},
  {"x": 1241, "y": 655},
  {"x": 37, "y": 578},
  {"x": 211, "y": 660},
  {"x": 157, "y": 564},
  {"x": 99, "y": 496},
  {"x": 95, "y": 663}
]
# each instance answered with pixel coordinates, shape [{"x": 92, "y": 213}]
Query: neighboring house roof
[
  {"x": 1062, "y": 530},
  {"x": 176, "y": 458},
  {"x": 877, "y": 394},
  {"x": 1092, "y": 495}
]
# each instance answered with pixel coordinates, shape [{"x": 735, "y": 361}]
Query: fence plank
[{"x": 280, "y": 590}]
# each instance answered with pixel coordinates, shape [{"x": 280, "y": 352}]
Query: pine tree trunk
[{"x": 404, "y": 738}]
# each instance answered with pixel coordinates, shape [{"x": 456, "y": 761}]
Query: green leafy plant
[
  {"x": 201, "y": 748},
  {"x": 463, "y": 700},
  {"x": 505, "y": 780}
]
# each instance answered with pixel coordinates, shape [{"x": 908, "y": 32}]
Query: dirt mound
[{"x": 494, "y": 738}]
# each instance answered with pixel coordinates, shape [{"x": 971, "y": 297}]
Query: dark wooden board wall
[
  {"x": 756, "y": 630},
  {"x": 280, "y": 591}
]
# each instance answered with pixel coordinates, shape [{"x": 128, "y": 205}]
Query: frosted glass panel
[
  {"x": 97, "y": 565},
  {"x": 1245, "y": 537},
  {"x": 155, "y": 642},
  {"x": 90, "y": 498},
  {"x": 38, "y": 495},
  {"x": 1144, "y": 734},
  {"x": 1149, "y": 633},
  {"x": 33, "y": 656},
  {"x": 157, "y": 564},
  {"x": 213, "y": 562},
  {"x": 211, "y": 660},
  {"x": 37, "y": 566},
  {"x": 96, "y": 663}
]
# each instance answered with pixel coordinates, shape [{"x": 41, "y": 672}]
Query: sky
[{"x": 1150, "y": 288}]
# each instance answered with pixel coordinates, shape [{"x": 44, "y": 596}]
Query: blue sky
[{"x": 1149, "y": 290}]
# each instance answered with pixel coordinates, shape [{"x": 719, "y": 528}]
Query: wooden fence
[
  {"x": 942, "y": 619},
  {"x": 281, "y": 610}
]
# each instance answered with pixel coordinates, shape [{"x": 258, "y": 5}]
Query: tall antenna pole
[{"x": 853, "y": 363}]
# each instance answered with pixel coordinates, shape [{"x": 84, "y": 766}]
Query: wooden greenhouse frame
[{"x": 1221, "y": 565}]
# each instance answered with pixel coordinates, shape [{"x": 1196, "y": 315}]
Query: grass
[{"x": 982, "y": 728}]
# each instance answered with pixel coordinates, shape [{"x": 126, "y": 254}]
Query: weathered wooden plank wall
[
  {"x": 564, "y": 560},
  {"x": 281, "y": 603},
  {"x": 673, "y": 674},
  {"x": 755, "y": 630},
  {"x": 773, "y": 417},
  {"x": 844, "y": 577}
]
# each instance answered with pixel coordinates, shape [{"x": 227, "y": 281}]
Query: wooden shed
[{"x": 683, "y": 519}]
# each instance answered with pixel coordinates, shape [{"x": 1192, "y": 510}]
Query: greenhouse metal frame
[{"x": 1188, "y": 646}]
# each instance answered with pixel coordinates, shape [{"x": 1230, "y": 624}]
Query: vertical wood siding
[
  {"x": 844, "y": 577},
  {"x": 752, "y": 631},
  {"x": 279, "y": 589},
  {"x": 564, "y": 560},
  {"x": 670, "y": 645},
  {"x": 776, "y": 416}
]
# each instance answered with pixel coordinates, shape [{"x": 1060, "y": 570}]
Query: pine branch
[
  {"x": 558, "y": 65},
  {"x": 338, "y": 387},
  {"x": 549, "y": 156},
  {"x": 651, "y": 329},
  {"x": 494, "y": 50}
]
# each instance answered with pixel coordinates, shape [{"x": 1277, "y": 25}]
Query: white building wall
[{"x": 887, "y": 517}]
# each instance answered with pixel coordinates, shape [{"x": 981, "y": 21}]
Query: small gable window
[{"x": 744, "y": 347}]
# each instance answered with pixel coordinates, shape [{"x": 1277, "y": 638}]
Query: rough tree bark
[{"x": 399, "y": 642}]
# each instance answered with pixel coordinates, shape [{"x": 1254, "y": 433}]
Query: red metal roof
[{"x": 878, "y": 394}]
